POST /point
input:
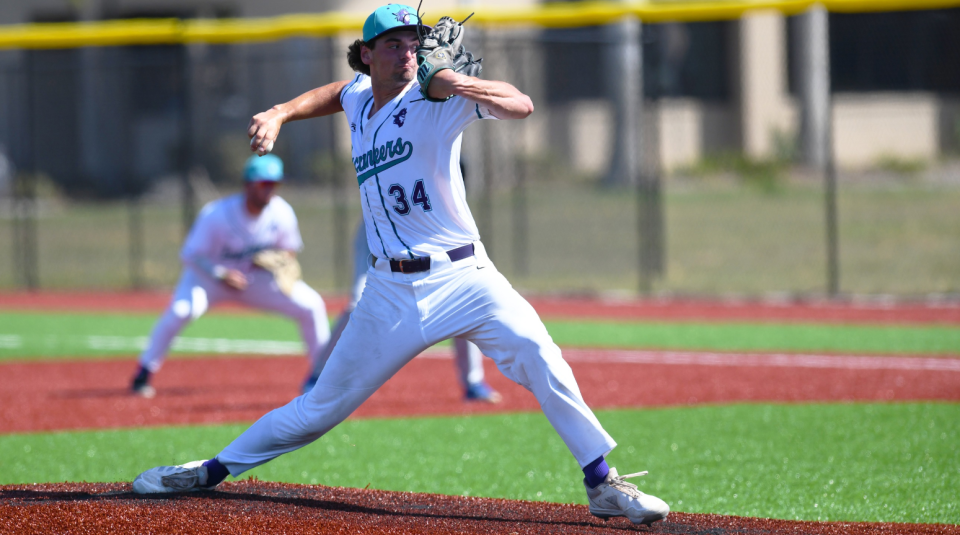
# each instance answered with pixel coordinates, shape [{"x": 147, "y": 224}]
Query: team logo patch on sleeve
[{"x": 399, "y": 118}]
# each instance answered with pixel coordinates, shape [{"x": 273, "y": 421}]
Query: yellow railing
[{"x": 566, "y": 15}]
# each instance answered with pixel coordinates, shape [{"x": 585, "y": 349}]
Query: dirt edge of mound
[{"x": 251, "y": 505}]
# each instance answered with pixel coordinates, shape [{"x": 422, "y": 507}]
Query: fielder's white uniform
[
  {"x": 226, "y": 234},
  {"x": 406, "y": 156}
]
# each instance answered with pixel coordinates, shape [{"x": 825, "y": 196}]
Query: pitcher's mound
[{"x": 253, "y": 506}]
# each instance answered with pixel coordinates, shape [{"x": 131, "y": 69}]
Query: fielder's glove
[
  {"x": 282, "y": 264},
  {"x": 440, "y": 49}
]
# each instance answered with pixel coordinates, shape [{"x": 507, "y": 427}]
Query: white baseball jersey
[
  {"x": 226, "y": 234},
  {"x": 407, "y": 157}
]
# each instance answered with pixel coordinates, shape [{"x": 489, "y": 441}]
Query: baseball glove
[
  {"x": 283, "y": 265},
  {"x": 440, "y": 49}
]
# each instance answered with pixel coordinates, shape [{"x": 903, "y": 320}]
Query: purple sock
[
  {"x": 216, "y": 472},
  {"x": 595, "y": 472}
]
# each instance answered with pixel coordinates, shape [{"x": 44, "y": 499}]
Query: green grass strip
[
  {"x": 31, "y": 335},
  {"x": 65, "y": 335},
  {"x": 855, "y": 462},
  {"x": 890, "y": 339}
]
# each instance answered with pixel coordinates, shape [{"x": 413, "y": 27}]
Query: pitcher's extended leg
[{"x": 382, "y": 336}]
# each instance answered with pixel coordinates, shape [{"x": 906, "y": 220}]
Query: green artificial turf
[
  {"x": 857, "y": 462},
  {"x": 889, "y": 339},
  {"x": 66, "y": 335}
]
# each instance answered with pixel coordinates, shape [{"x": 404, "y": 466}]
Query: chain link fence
[{"x": 107, "y": 154}]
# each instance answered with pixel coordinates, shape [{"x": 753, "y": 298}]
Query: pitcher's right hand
[{"x": 263, "y": 130}]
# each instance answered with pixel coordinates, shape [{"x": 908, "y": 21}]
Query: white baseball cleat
[
  {"x": 145, "y": 391},
  {"x": 616, "y": 497},
  {"x": 183, "y": 478}
]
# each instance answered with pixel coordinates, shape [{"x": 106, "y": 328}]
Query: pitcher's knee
[
  {"x": 315, "y": 428},
  {"x": 313, "y": 419}
]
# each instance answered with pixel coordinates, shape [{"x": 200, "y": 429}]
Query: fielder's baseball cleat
[
  {"x": 183, "y": 478},
  {"x": 616, "y": 497},
  {"x": 141, "y": 384},
  {"x": 482, "y": 392},
  {"x": 144, "y": 391}
]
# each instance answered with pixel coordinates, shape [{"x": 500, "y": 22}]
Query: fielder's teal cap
[
  {"x": 263, "y": 168},
  {"x": 390, "y": 17}
]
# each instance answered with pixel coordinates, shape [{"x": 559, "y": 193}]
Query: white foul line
[
  {"x": 199, "y": 345},
  {"x": 10, "y": 341},
  {"x": 757, "y": 360},
  {"x": 681, "y": 358},
  {"x": 748, "y": 360}
]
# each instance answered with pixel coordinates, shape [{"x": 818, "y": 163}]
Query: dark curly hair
[{"x": 353, "y": 56}]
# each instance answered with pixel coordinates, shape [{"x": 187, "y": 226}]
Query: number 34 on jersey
[{"x": 419, "y": 197}]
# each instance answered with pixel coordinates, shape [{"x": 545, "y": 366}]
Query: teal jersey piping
[
  {"x": 363, "y": 113},
  {"x": 383, "y": 246},
  {"x": 356, "y": 79}
]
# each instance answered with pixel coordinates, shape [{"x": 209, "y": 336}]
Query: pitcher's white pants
[
  {"x": 399, "y": 316},
  {"x": 197, "y": 292},
  {"x": 466, "y": 356}
]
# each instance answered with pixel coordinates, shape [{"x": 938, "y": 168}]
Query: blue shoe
[
  {"x": 482, "y": 392},
  {"x": 309, "y": 384}
]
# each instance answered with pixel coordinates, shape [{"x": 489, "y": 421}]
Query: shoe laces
[
  {"x": 618, "y": 482},
  {"x": 186, "y": 479}
]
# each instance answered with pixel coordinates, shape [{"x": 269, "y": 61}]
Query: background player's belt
[{"x": 417, "y": 265}]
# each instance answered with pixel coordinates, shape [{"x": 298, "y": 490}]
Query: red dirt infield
[{"x": 48, "y": 396}]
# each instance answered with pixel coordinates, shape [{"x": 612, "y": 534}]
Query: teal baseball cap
[
  {"x": 263, "y": 168},
  {"x": 388, "y": 18}
]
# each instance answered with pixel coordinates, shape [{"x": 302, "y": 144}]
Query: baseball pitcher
[{"x": 429, "y": 278}]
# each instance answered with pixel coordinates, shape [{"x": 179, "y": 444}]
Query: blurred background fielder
[{"x": 221, "y": 263}]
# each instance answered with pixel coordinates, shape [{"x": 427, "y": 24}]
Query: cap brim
[{"x": 410, "y": 27}]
